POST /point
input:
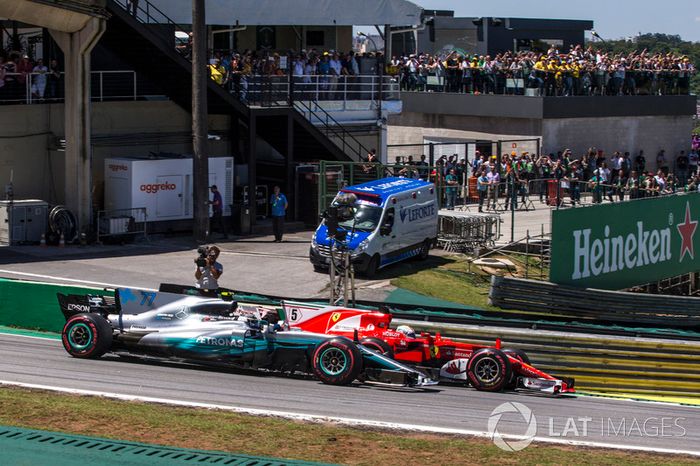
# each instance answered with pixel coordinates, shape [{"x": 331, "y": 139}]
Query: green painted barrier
[
  {"x": 37, "y": 447},
  {"x": 33, "y": 305}
]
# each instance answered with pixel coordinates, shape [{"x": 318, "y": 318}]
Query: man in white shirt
[
  {"x": 493, "y": 180},
  {"x": 336, "y": 67}
]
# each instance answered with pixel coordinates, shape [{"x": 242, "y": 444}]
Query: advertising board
[{"x": 615, "y": 246}]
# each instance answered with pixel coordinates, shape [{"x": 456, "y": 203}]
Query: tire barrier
[
  {"x": 601, "y": 305},
  {"x": 612, "y": 364}
]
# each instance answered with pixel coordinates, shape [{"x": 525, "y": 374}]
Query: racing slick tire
[
  {"x": 372, "y": 267},
  {"x": 378, "y": 345},
  {"x": 336, "y": 361},
  {"x": 489, "y": 370},
  {"x": 424, "y": 251},
  {"x": 517, "y": 354},
  {"x": 522, "y": 357},
  {"x": 87, "y": 336}
]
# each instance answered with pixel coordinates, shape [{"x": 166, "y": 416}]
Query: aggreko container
[{"x": 162, "y": 186}]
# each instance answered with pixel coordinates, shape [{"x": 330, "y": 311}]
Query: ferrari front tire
[
  {"x": 489, "y": 370},
  {"x": 378, "y": 345},
  {"x": 521, "y": 356},
  {"x": 87, "y": 336},
  {"x": 337, "y": 362}
]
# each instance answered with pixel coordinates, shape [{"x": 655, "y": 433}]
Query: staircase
[{"x": 147, "y": 42}]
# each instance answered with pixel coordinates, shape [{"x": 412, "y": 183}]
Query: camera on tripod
[
  {"x": 342, "y": 210},
  {"x": 203, "y": 252}
]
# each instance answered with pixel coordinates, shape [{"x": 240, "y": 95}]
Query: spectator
[
  {"x": 451, "y": 186},
  {"x": 493, "y": 181},
  {"x": 595, "y": 186},
  {"x": 217, "y": 207},
  {"x": 279, "y": 204},
  {"x": 54, "y": 79},
  {"x": 132, "y": 7},
  {"x": 482, "y": 187},
  {"x": 39, "y": 82},
  {"x": 632, "y": 185},
  {"x": 620, "y": 185}
]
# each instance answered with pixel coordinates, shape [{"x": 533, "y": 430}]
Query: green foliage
[{"x": 658, "y": 43}]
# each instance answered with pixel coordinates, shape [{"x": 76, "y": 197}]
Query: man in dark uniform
[{"x": 217, "y": 206}]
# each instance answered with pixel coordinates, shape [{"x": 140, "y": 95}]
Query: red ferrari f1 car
[{"x": 487, "y": 368}]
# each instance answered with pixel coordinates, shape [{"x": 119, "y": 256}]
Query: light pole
[{"x": 597, "y": 36}]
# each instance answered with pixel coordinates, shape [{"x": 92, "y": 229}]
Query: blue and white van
[{"x": 395, "y": 219}]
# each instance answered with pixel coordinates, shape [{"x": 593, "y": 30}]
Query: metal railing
[
  {"x": 522, "y": 82},
  {"x": 525, "y": 194},
  {"x": 316, "y": 115},
  {"x": 32, "y": 88},
  {"x": 266, "y": 91}
]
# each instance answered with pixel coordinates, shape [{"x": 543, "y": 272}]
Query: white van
[{"x": 395, "y": 219}]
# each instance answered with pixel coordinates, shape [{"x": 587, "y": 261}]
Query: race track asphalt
[
  {"x": 283, "y": 269},
  {"x": 612, "y": 422}
]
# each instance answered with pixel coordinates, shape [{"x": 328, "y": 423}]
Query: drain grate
[{"x": 35, "y": 447}]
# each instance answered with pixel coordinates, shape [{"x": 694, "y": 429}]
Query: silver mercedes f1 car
[{"x": 211, "y": 330}]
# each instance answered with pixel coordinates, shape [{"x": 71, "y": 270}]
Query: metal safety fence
[
  {"x": 121, "y": 223},
  {"x": 520, "y": 81},
  {"x": 530, "y": 194}
]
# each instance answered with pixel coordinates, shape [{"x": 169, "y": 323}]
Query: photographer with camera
[{"x": 208, "y": 269}]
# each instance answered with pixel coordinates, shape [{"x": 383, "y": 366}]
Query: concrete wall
[
  {"x": 475, "y": 127},
  {"x": 28, "y": 146},
  {"x": 632, "y": 134},
  {"x": 625, "y": 123}
]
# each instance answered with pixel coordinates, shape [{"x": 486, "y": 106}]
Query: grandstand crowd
[{"x": 580, "y": 71}]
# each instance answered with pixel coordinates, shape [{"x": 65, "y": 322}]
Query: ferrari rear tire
[
  {"x": 489, "y": 370},
  {"x": 378, "y": 345},
  {"x": 87, "y": 336},
  {"x": 336, "y": 361}
]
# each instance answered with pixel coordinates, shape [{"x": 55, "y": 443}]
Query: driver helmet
[{"x": 406, "y": 330}]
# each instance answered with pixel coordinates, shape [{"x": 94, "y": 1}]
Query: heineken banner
[{"x": 615, "y": 246}]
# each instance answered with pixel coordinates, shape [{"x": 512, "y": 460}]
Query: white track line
[
  {"x": 73, "y": 280},
  {"x": 343, "y": 420}
]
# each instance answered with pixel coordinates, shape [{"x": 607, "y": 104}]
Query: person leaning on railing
[{"x": 632, "y": 185}]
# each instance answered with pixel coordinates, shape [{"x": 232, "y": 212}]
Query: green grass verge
[
  {"x": 268, "y": 436},
  {"x": 452, "y": 280}
]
